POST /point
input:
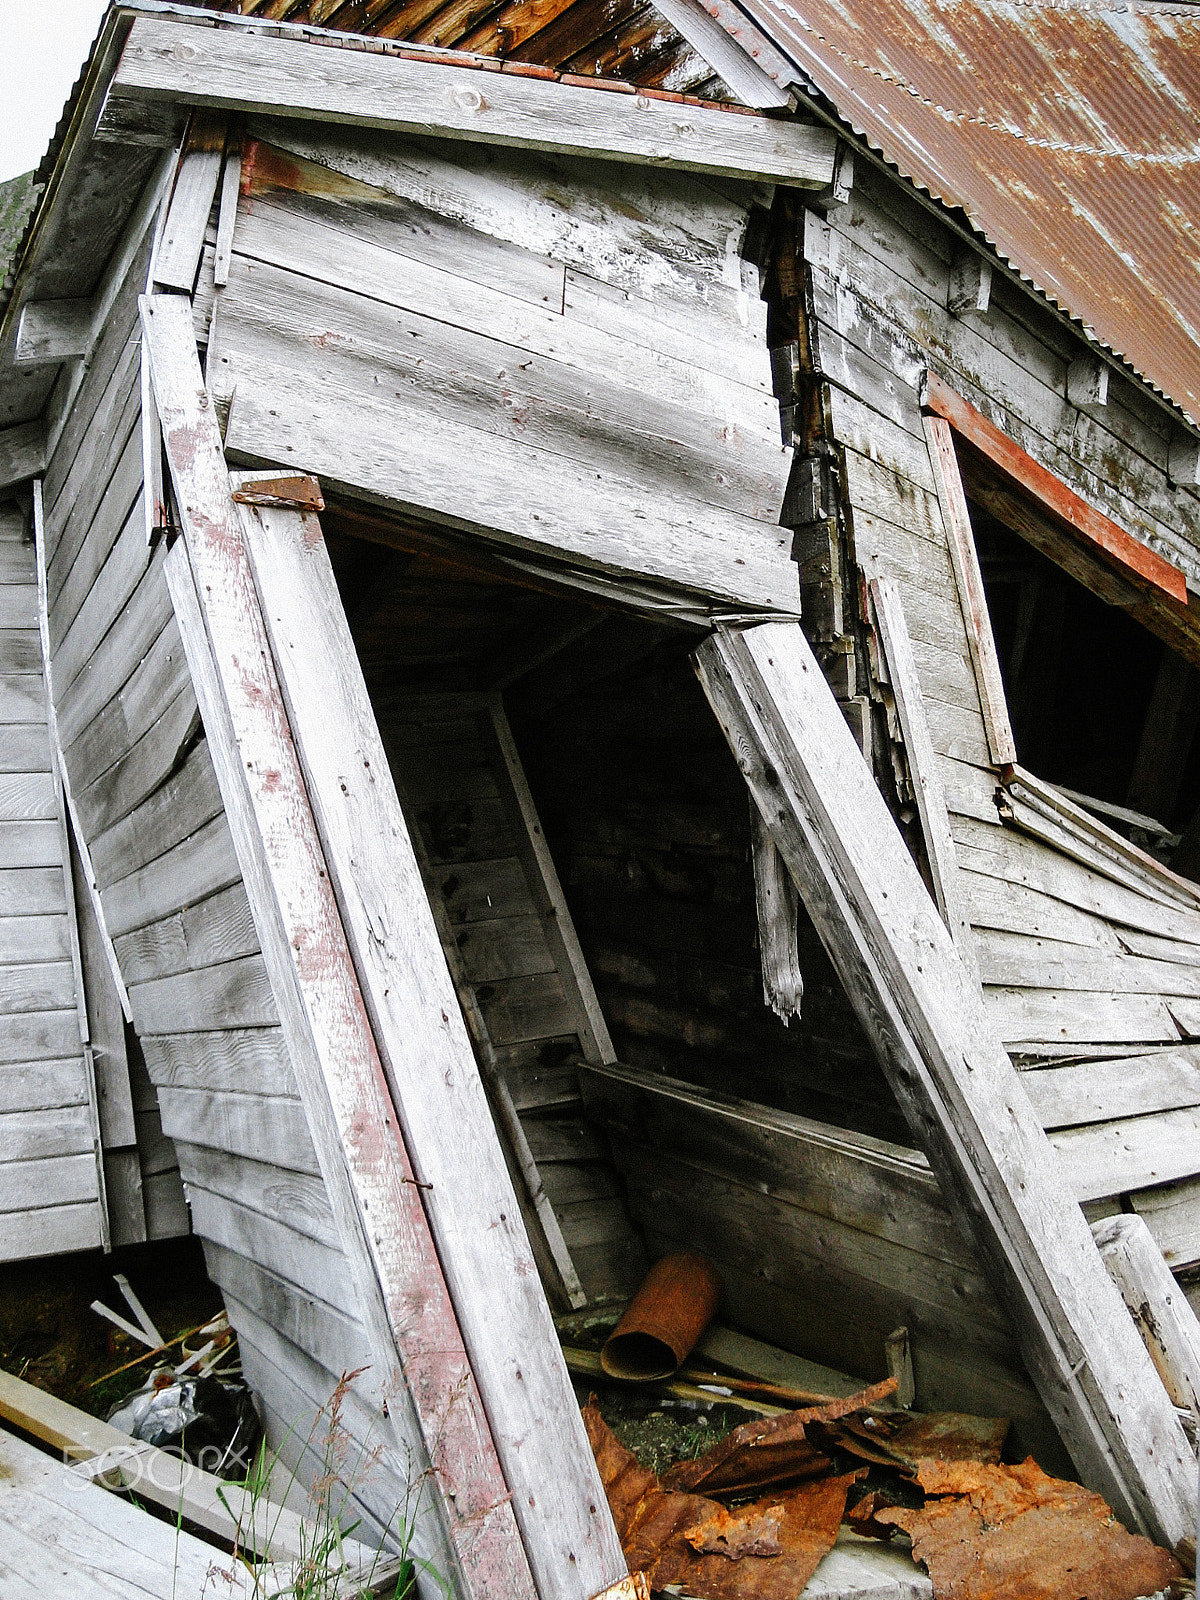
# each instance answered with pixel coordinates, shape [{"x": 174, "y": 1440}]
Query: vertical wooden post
[
  {"x": 926, "y": 1019},
  {"x": 436, "y": 1412}
]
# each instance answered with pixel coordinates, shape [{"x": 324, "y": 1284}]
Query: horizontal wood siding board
[
  {"x": 499, "y": 387},
  {"x": 199, "y": 866},
  {"x": 156, "y": 681},
  {"x": 28, "y": 1183},
  {"x": 42, "y": 1085},
  {"x": 292, "y": 1197},
  {"x": 269, "y": 1130},
  {"x": 1112, "y": 1158},
  {"x": 1103, "y": 1091},
  {"x": 235, "y": 994},
  {"x": 142, "y": 769},
  {"x": 187, "y": 802},
  {"x": 50, "y": 1230},
  {"x": 246, "y": 1060}
]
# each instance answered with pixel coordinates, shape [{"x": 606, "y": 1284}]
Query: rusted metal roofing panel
[{"x": 1068, "y": 131}]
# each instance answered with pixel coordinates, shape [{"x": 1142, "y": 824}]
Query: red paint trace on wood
[{"x": 1078, "y": 518}]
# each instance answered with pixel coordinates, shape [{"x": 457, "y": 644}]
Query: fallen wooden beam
[
  {"x": 435, "y": 1412},
  {"x": 926, "y": 1019},
  {"x": 236, "y": 70},
  {"x": 115, "y": 1460},
  {"x": 540, "y": 1439},
  {"x": 1156, "y": 1302}
]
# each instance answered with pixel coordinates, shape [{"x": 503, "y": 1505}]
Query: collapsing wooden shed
[{"x": 564, "y": 582}]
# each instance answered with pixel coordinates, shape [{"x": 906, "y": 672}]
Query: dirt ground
[{"x": 50, "y": 1336}]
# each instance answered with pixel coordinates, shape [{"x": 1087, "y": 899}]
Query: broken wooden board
[{"x": 949, "y": 1072}]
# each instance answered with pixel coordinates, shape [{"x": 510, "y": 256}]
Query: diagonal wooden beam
[
  {"x": 420, "y": 1363},
  {"x": 234, "y": 69},
  {"x": 968, "y": 1109},
  {"x": 540, "y": 1439}
]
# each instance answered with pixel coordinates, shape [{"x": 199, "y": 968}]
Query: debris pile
[{"x": 753, "y": 1517}]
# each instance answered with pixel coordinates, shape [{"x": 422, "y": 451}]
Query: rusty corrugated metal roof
[{"x": 1068, "y": 131}]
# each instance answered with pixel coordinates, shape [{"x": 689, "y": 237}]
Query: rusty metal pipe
[{"x": 678, "y": 1299}]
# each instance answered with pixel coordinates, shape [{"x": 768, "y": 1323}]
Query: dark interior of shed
[
  {"x": 645, "y": 812},
  {"x": 1099, "y": 705}
]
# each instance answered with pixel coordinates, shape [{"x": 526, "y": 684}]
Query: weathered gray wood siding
[
  {"x": 216, "y": 1070},
  {"x": 579, "y": 334},
  {"x": 1078, "y": 964},
  {"x": 49, "y": 1184}
]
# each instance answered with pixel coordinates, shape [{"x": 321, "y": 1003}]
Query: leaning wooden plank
[
  {"x": 965, "y": 560},
  {"x": 565, "y": 1525},
  {"x": 242, "y": 72},
  {"x": 934, "y": 1040},
  {"x": 926, "y": 780},
  {"x": 437, "y": 1412}
]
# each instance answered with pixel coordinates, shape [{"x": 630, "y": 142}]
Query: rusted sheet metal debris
[
  {"x": 764, "y": 1551},
  {"x": 904, "y": 1442},
  {"x": 678, "y": 1299},
  {"x": 775, "y": 1451},
  {"x": 990, "y": 1532},
  {"x": 289, "y": 494}
]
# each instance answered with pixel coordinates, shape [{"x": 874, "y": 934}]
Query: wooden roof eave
[{"x": 234, "y": 69}]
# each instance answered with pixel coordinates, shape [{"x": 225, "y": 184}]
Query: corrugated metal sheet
[{"x": 1068, "y": 131}]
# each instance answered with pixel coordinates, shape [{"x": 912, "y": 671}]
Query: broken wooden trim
[
  {"x": 50, "y": 331},
  {"x": 1045, "y": 812},
  {"x": 1101, "y": 534},
  {"x": 938, "y": 1047},
  {"x": 964, "y": 560},
  {"x": 231, "y": 179},
  {"x": 777, "y": 906},
  {"x": 220, "y": 69},
  {"x": 922, "y": 766},
  {"x": 177, "y": 255},
  {"x": 23, "y": 452},
  {"x": 435, "y": 1409},
  {"x": 540, "y": 1441}
]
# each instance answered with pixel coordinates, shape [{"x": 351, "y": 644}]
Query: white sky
[{"x": 44, "y": 47}]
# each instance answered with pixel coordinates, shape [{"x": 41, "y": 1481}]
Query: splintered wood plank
[
  {"x": 232, "y": 71},
  {"x": 178, "y": 254},
  {"x": 383, "y": 1228},
  {"x": 565, "y": 1525},
  {"x": 926, "y": 1020}
]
